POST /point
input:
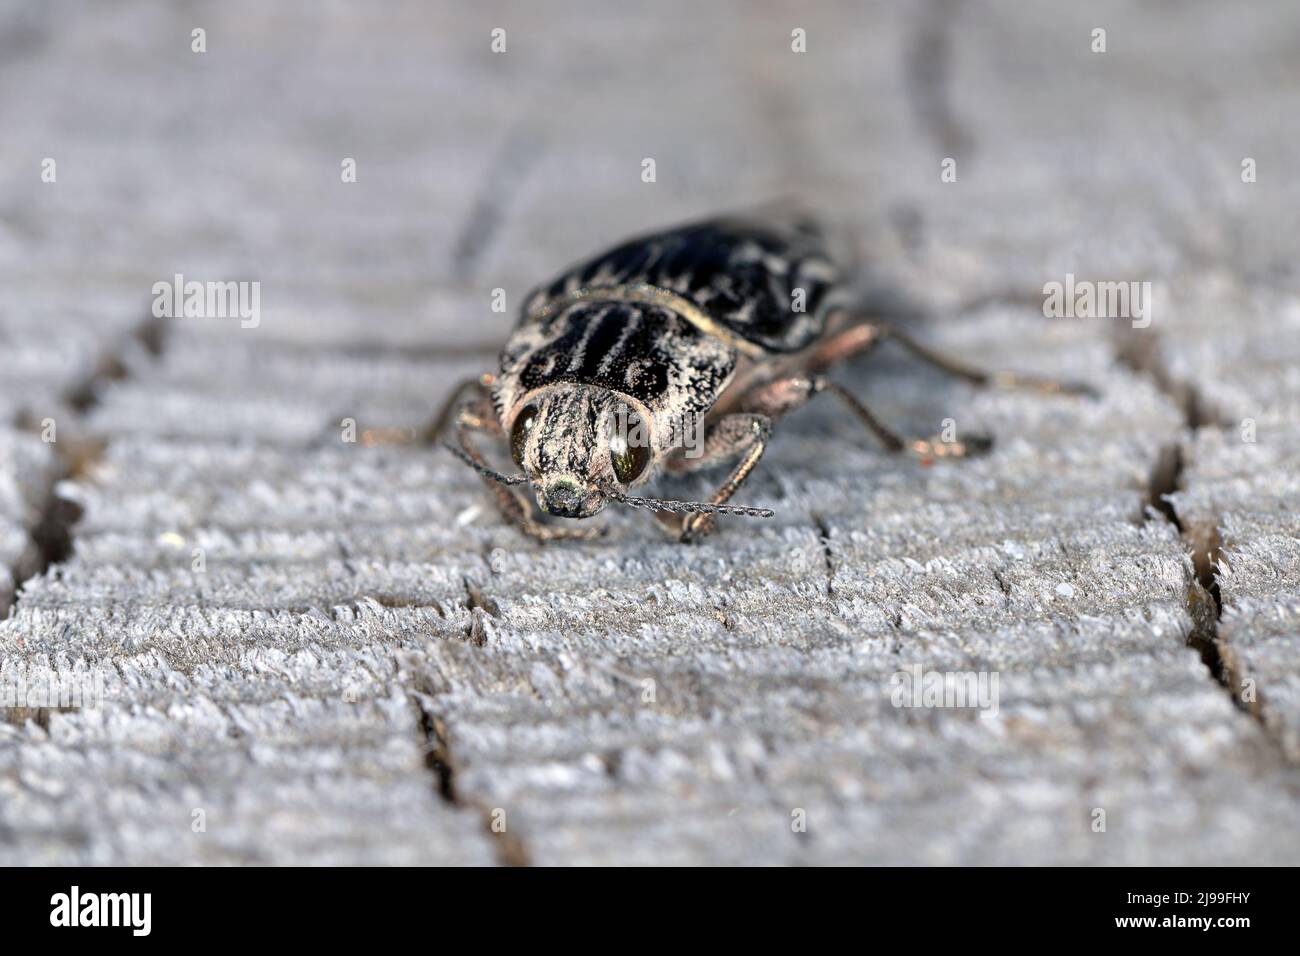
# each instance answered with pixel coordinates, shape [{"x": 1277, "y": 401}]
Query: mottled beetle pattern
[{"x": 727, "y": 324}]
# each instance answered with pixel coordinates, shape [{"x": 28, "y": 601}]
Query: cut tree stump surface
[{"x": 320, "y": 651}]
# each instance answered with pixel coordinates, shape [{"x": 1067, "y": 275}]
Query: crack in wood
[
  {"x": 1162, "y": 482},
  {"x": 1003, "y": 586},
  {"x": 1142, "y": 355},
  {"x": 441, "y": 764},
  {"x": 150, "y": 334},
  {"x": 76, "y": 454},
  {"x": 1139, "y": 351},
  {"x": 824, "y": 533},
  {"x": 479, "y": 605}
]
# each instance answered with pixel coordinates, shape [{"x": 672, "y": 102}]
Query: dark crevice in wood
[
  {"x": 479, "y": 605},
  {"x": 824, "y": 533},
  {"x": 1163, "y": 481},
  {"x": 437, "y": 756},
  {"x": 76, "y": 453},
  {"x": 441, "y": 764},
  {"x": 1206, "y": 604},
  {"x": 475, "y": 598},
  {"x": 1003, "y": 586},
  {"x": 151, "y": 335},
  {"x": 1140, "y": 352},
  {"x": 51, "y": 538},
  {"x": 53, "y": 533}
]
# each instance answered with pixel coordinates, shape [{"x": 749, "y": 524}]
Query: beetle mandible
[{"x": 727, "y": 324}]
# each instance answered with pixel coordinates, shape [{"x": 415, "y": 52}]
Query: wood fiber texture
[{"x": 312, "y": 650}]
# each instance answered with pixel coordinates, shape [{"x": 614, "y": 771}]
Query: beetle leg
[
  {"x": 835, "y": 351},
  {"x": 784, "y": 395},
  {"x": 725, "y": 438},
  {"x": 477, "y": 414},
  {"x": 924, "y": 448},
  {"x": 744, "y": 433},
  {"x": 856, "y": 340}
]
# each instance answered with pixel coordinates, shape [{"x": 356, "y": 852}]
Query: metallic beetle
[{"x": 714, "y": 329}]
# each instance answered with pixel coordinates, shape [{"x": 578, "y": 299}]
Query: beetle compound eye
[
  {"x": 519, "y": 433},
  {"x": 629, "y": 448},
  {"x": 629, "y": 461}
]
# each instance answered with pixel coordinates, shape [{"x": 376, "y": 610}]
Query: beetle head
[
  {"x": 582, "y": 446},
  {"x": 578, "y": 444}
]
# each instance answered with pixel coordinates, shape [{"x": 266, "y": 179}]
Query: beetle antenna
[
  {"x": 689, "y": 507},
  {"x": 484, "y": 470}
]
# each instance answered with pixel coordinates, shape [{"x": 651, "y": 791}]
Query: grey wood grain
[{"x": 303, "y": 649}]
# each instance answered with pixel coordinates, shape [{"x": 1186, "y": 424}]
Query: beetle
[{"x": 724, "y": 325}]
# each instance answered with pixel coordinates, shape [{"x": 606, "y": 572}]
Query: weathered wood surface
[{"x": 370, "y": 668}]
